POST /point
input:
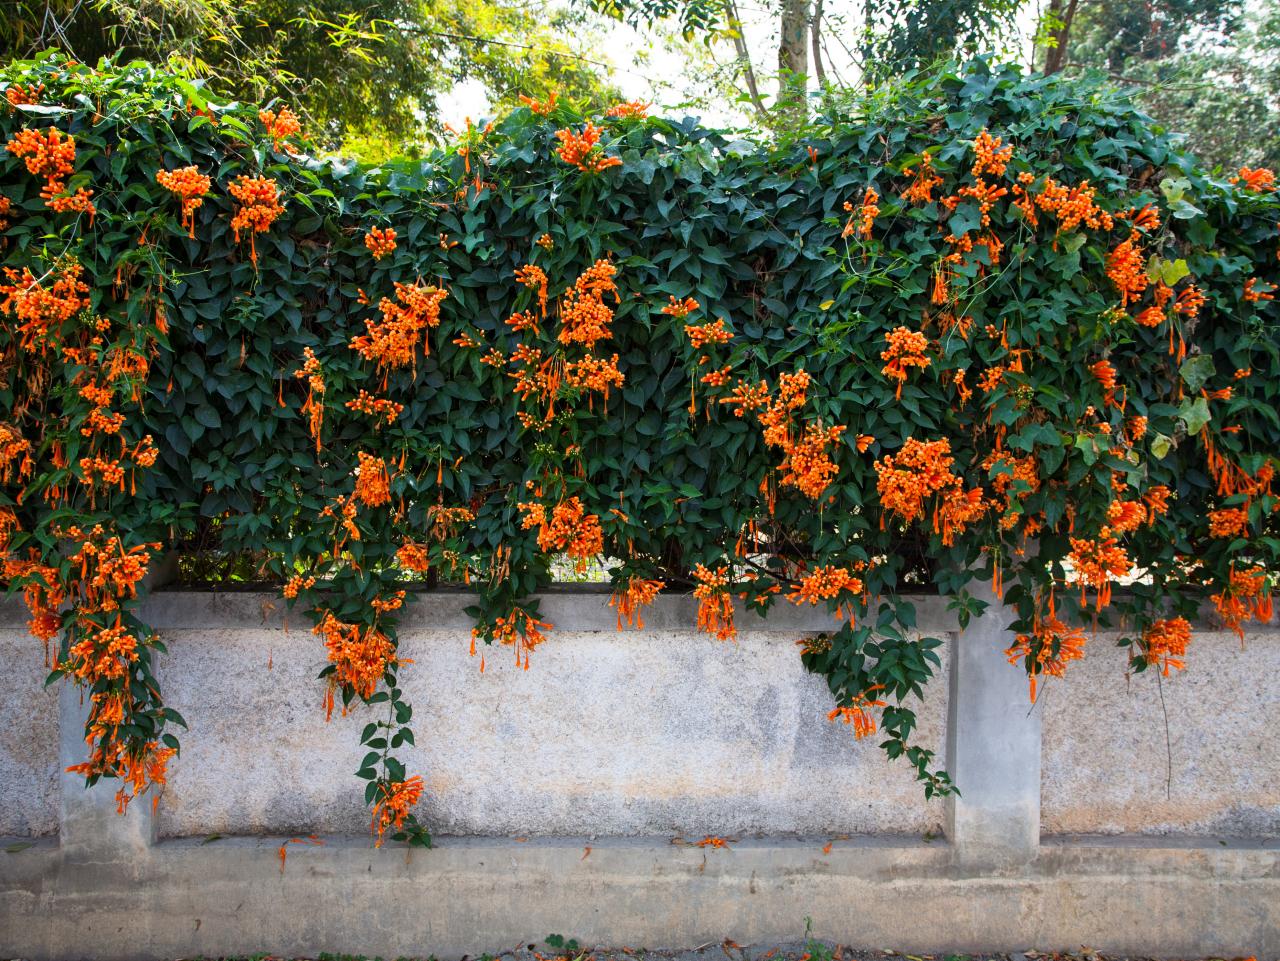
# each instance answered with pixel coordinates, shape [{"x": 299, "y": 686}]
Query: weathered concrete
[
  {"x": 233, "y": 896},
  {"x": 29, "y": 784},
  {"x": 993, "y": 747},
  {"x": 1108, "y": 769},
  {"x": 649, "y": 733},
  {"x": 639, "y": 733}
]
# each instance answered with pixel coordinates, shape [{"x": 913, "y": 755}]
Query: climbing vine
[{"x": 989, "y": 328}]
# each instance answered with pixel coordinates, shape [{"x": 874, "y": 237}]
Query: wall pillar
[
  {"x": 993, "y": 746},
  {"x": 90, "y": 827}
]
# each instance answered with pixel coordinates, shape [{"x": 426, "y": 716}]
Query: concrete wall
[
  {"x": 556, "y": 793},
  {"x": 1193, "y": 754}
]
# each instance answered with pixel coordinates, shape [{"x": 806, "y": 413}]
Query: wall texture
[
  {"x": 570, "y": 781},
  {"x": 1108, "y": 769}
]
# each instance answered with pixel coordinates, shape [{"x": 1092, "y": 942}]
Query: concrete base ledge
[{"x": 469, "y": 895}]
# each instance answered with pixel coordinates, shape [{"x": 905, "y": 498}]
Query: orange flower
[
  {"x": 584, "y": 316},
  {"x": 991, "y": 157},
  {"x": 1051, "y": 646},
  {"x": 632, "y": 109},
  {"x": 921, "y": 189},
  {"x": 866, "y": 215},
  {"x": 639, "y": 594},
  {"x": 1247, "y": 595},
  {"x": 190, "y": 185},
  {"x": 715, "y": 606},
  {"x": 825, "y": 583},
  {"x": 373, "y": 485},
  {"x": 906, "y": 349},
  {"x": 314, "y": 407},
  {"x": 1260, "y": 180},
  {"x": 710, "y": 333},
  {"x": 806, "y": 465},
  {"x": 1128, "y": 270},
  {"x": 413, "y": 557},
  {"x": 360, "y": 656},
  {"x": 1125, "y": 516},
  {"x": 1105, "y": 375},
  {"x": 392, "y": 807},
  {"x": 41, "y": 311},
  {"x": 1096, "y": 563},
  {"x": 280, "y": 125},
  {"x": 570, "y": 529},
  {"x": 260, "y": 207},
  {"x": 380, "y": 242},
  {"x": 379, "y": 407},
  {"x": 681, "y": 308},
  {"x": 393, "y": 340},
  {"x": 542, "y": 109},
  {"x": 857, "y": 714},
  {"x": 20, "y": 96},
  {"x": 297, "y": 583},
  {"x": 534, "y": 277},
  {"x": 583, "y": 151},
  {"x": 1252, "y": 295},
  {"x": 1165, "y": 643},
  {"x": 1228, "y": 522}
]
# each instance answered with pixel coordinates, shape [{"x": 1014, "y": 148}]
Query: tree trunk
[
  {"x": 1055, "y": 57},
  {"x": 793, "y": 60}
]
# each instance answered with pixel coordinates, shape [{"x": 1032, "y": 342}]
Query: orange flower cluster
[
  {"x": 1247, "y": 595},
  {"x": 1050, "y": 648},
  {"x": 414, "y": 557},
  {"x": 260, "y": 207},
  {"x": 1165, "y": 643},
  {"x": 919, "y": 471},
  {"x": 296, "y": 584},
  {"x": 1105, "y": 374},
  {"x": 373, "y": 485},
  {"x": 535, "y": 278},
  {"x": 806, "y": 465},
  {"x": 1128, "y": 270},
  {"x": 584, "y": 316},
  {"x": 542, "y": 109},
  {"x": 1021, "y": 469},
  {"x": 1228, "y": 522},
  {"x": 379, "y": 407},
  {"x": 681, "y": 308},
  {"x": 41, "y": 311},
  {"x": 715, "y": 606},
  {"x": 520, "y": 630},
  {"x": 992, "y": 157},
  {"x": 857, "y": 713},
  {"x": 631, "y": 109},
  {"x": 1252, "y": 295},
  {"x": 1095, "y": 563},
  {"x": 314, "y": 407},
  {"x": 639, "y": 594},
  {"x": 1260, "y": 180},
  {"x": 986, "y": 195},
  {"x": 281, "y": 125},
  {"x": 825, "y": 583},
  {"x": 1123, "y": 517},
  {"x": 52, "y": 156},
  {"x": 594, "y": 375},
  {"x": 20, "y": 96},
  {"x": 582, "y": 150},
  {"x": 906, "y": 349},
  {"x": 190, "y": 185},
  {"x": 360, "y": 656},
  {"x": 865, "y": 215},
  {"x": 926, "y": 179},
  {"x": 393, "y": 340},
  {"x": 380, "y": 241},
  {"x": 392, "y": 806},
  {"x": 709, "y": 333},
  {"x": 570, "y": 529},
  {"x": 1072, "y": 206}
]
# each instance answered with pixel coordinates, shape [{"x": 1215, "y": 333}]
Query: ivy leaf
[{"x": 1196, "y": 371}]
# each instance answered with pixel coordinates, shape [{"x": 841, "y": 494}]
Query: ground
[{"x": 560, "y": 949}]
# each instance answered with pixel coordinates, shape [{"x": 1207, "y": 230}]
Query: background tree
[{"x": 366, "y": 74}]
